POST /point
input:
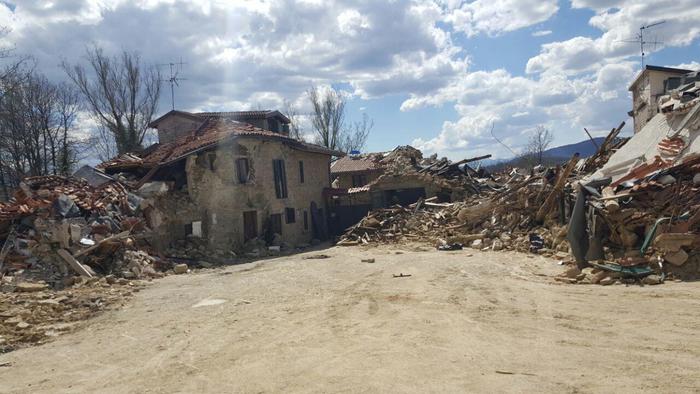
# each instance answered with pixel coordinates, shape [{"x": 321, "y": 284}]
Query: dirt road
[{"x": 463, "y": 321}]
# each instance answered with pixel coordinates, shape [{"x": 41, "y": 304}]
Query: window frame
[
  {"x": 243, "y": 180},
  {"x": 280, "y": 178},
  {"x": 301, "y": 171}
]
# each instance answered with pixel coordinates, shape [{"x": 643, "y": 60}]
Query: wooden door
[{"x": 250, "y": 225}]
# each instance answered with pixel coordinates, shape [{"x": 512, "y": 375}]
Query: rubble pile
[
  {"x": 31, "y": 313},
  {"x": 57, "y": 227},
  {"x": 407, "y": 160},
  {"x": 195, "y": 248},
  {"x": 642, "y": 227}
]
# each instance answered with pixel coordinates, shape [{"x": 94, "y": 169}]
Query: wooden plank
[
  {"x": 75, "y": 264},
  {"x": 558, "y": 188}
]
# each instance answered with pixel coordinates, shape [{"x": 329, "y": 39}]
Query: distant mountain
[
  {"x": 552, "y": 156},
  {"x": 584, "y": 148}
]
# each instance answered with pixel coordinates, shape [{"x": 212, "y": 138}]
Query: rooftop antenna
[
  {"x": 175, "y": 69},
  {"x": 639, "y": 39}
]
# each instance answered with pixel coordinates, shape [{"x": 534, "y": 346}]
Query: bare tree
[
  {"x": 328, "y": 121},
  {"x": 103, "y": 144},
  {"x": 290, "y": 111},
  {"x": 538, "y": 144},
  {"x": 121, "y": 94},
  {"x": 355, "y": 136},
  {"x": 328, "y": 116},
  {"x": 36, "y": 127}
]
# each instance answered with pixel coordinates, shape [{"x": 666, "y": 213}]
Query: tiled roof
[
  {"x": 212, "y": 132},
  {"x": 355, "y": 164},
  {"x": 233, "y": 115},
  {"x": 122, "y": 161}
]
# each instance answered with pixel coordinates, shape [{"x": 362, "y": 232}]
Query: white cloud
[
  {"x": 619, "y": 21},
  {"x": 688, "y": 66},
  {"x": 495, "y": 17},
  {"x": 235, "y": 50},
  {"x": 541, "y": 33},
  {"x": 351, "y": 22},
  {"x": 515, "y": 105}
]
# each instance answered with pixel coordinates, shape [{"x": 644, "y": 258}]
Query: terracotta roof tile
[
  {"x": 355, "y": 164},
  {"x": 212, "y": 132}
]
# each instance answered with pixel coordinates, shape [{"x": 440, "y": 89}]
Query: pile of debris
[
  {"x": 642, "y": 225},
  {"x": 34, "y": 314},
  {"x": 57, "y": 227},
  {"x": 407, "y": 160}
]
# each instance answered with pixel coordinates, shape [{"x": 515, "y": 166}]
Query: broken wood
[
  {"x": 121, "y": 235},
  {"x": 73, "y": 263},
  {"x": 558, "y": 188}
]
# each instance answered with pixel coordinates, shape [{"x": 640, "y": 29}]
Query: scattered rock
[
  {"x": 26, "y": 287},
  {"x": 180, "y": 269},
  {"x": 676, "y": 258},
  {"x": 572, "y": 273}
]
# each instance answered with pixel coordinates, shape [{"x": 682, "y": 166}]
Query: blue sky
[{"x": 435, "y": 74}]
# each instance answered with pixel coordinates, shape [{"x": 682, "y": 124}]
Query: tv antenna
[
  {"x": 175, "y": 69},
  {"x": 639, "y": 39}
]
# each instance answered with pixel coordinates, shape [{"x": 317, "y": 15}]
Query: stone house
[
  {"x": 356, "y": 170},
  {"x": 650, "y": 84},
  {"x": 214, "y": 176}
]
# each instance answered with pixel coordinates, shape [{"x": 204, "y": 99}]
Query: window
[
  {"x": 359, "y": 180},
  {"x": 291, "y": 215},
  {"x": 306, "y": 221},
  {"x": 280, "y": 178},
  {"x": 273, "y": 125},
  {"x": 276, "y": 223},
  {"x": 250, "y": 225},
  {"x": 301, "y": 171},
  {"x": 212, "y": 161},
  {"x": 243, "y": 170}
]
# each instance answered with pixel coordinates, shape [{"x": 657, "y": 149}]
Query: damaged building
[
  {"x": 398, "y": 177},
  {"x": 649, "y": 85},
  {"x": 230, "y": 178}
]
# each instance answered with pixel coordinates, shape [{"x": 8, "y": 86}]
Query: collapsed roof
[
  {"x": 214, "y": 131},
  {"x": 668, "y": 139}
]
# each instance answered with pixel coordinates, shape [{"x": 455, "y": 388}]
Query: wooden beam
[
  {"x": 123, "y": 234},
  {"x": 75, "y": 264},
  {"x": 558, "y": 187}
]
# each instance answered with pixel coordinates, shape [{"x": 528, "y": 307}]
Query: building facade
[
  {"x": 649, "y": 85},
  {"x": 231, "y": 182}
]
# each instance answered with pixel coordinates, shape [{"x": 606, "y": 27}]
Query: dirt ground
[{"x": 464, "y": 321}]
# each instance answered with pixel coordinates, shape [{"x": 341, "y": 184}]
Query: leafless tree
[
  {"x": 36, "y": 127},
  {"x": 328, "y": 121},
  {"x": 120, "y": 93},
  {"x": 355, "y": 136},
  {"x": 328, "y": 116},
  {"x": 291, "y": 112},
  {"x": 103, "y": 144},
  {"x": 538, "y": 143}
]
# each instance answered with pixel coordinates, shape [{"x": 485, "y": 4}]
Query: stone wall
[
  {"x": 345, "y": 178},
  {"x": 174, "y": 126},
  {"x": 219, "y": 199}
]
